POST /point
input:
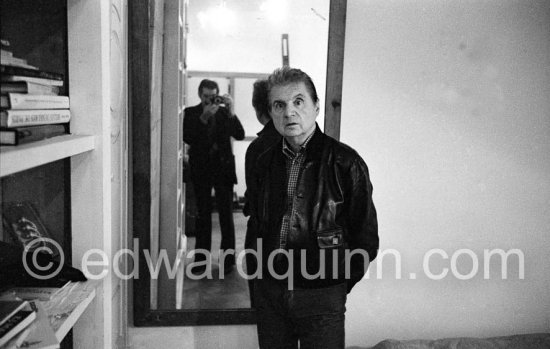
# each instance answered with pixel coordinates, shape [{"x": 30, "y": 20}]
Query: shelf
[
  {"x": 66, "y": 307},
  {"x": 23, "y": 157}
]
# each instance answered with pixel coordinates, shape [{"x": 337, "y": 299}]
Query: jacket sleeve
[
  {"x": 362, "y": 221},
  {"x": 235, "y": 128},
  {"x": 189, "y": 127}
]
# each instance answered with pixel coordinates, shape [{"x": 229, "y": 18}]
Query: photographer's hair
[
  {"x": 260, "y": 98},
  {"x": 209, "y": 84},
  {"x": 287, "y": 75}
]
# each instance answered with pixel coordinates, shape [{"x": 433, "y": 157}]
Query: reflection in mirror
[
  {"x": 218, "y": 288},
  {"x": 234, "y": 43}
]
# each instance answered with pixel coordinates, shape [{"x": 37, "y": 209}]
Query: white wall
[{"x": 448, "y": 102}]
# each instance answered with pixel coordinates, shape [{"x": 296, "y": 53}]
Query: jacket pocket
[{"x": 330, "y": 238}]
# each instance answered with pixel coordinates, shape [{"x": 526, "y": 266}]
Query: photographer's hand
[
  {"x": 228, "y": 101},
  {"x": 207, "y": 112}
]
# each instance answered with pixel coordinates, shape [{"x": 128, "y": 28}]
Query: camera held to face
[{"x": 216, "y": 100}]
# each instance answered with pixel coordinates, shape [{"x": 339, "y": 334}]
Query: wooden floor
[{"x": 221, "y": 291}]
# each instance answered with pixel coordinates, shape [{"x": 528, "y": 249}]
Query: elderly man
[{"x": 311, "y": 202}]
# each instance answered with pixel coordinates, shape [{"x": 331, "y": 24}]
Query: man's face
[
  {"x": 207, "y": 94},
  {"x": 293, "y": 111}
]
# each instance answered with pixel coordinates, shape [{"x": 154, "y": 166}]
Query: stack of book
[
  {"x": 31, "y": 107},
  {"x": 25, "y": 324}
]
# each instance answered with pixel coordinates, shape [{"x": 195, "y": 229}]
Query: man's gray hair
[{"x": 287, "y": 75}]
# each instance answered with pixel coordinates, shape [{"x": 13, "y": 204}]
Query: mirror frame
[{"x": 141, "y": 20}]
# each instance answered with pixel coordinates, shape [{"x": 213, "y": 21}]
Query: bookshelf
[
  {"x": 87, "y": 162},
  {"x": 27, "y": 156}
]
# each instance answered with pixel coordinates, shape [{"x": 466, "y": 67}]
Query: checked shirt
[{"x": 294, "y": 164}]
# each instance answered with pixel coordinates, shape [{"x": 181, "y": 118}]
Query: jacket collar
[
  {"x": 268, "y": 128},
  {"x": 315, "y": 145}
]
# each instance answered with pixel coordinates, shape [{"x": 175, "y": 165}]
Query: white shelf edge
[
  {"x": 14, "y": 159},
  {"x": 71, "y": 320}
]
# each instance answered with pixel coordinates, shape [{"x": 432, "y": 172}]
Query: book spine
[
  {"x": 8, "y": 137},
  {"x": 9, "y": 308},
  {"x": 27, "y": 101},
  {"x": 15, "y": 324},
  {"x": 24, "y": 135},
  {"x": 36, "y": 80},
  {"x": 16, "y": 118},
  {"x": 28, "y": 87},
  {"x": 10, "y": 70}
]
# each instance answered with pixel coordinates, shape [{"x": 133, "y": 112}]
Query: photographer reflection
[{"x": 207, "y": 129}]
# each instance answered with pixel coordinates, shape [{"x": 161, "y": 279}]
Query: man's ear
[{"x": 317, "y": 108}]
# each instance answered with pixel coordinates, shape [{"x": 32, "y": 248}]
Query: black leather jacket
[{"x": 334, "y": 212}]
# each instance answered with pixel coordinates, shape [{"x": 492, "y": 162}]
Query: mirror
[{"x": 233, "y": 43}]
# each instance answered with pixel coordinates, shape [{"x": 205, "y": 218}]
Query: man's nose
[{"x": 290, "y": 110}]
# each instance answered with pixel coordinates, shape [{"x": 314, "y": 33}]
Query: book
[
  {"x": 28, "y": 134},
  {"x": 9, "y": 307},
  {"x": 41, "y": 334},
  {"x": 17, "y": 341},
  {"x": 20, "y": 71},
  {"x": 5, "y": 55},
  {"x": 28, "y": 117},
  {"x": 24, "y": 225},
  {"x": 30, "y": 101},
  {"x": 42, "y": 81},
  {"x": 18, "y": 62},
  {"x": 27, "y": 87},
  {"x": 9, "y": 59},
  {"x": 15, "y": 324}
]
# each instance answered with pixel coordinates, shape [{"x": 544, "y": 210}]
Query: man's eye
[
  {"x": 299, "y": 102},
  {"x": 278, "y": 106}
]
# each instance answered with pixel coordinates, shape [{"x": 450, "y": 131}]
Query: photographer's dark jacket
[
  {"x": 210, "y": 154},
  {"x": 334, "y": 211}
]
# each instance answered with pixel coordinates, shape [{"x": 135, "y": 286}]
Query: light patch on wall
[
  {"x": 275, "y": 10},
  {"x": 219, "y": 18}
]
